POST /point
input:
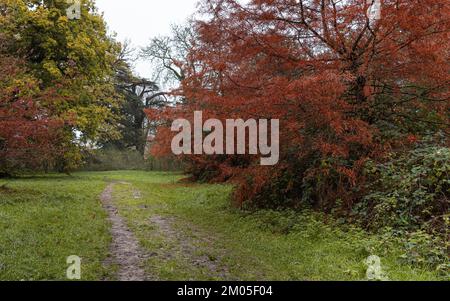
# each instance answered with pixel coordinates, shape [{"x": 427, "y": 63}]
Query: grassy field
[
  {"x": 43, "y": 220},
  {"x": 188, "y": 232}
]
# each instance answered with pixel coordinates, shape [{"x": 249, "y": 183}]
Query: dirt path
[
  {"x": 188, "y": 246},
  {"x": 129, "y": 257},
  {"x": 125, "y": 247}
]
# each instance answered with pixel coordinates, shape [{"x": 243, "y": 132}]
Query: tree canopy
[
  {"x": 73, "y": 58},
  {"x": 345, "y": 88}
]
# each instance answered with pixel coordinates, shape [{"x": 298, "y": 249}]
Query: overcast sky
[{"x": 140, "y": 20}]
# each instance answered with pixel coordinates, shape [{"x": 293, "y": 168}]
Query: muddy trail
[
  {"x": 185, "y": 244},
  {"x": 125, "y": 250}
]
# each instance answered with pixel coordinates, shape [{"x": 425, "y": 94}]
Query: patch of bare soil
[
  {"x": 188, "y": 243},
  {"x": 125, "y": 247}
]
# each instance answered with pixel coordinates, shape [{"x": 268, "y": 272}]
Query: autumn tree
[
  {"x": 346, "y": 88},
  {"x": 29, "y": 137},
  {"x": 73, "y": 56}
]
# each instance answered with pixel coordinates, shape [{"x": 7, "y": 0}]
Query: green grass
[
  {"x": 252, "y": 246},
  {"x": 44, "y": 220}
]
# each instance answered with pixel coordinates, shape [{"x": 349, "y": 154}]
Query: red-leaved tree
[
  {"x": 345, "y": 87},
  {"x": 29, "y": 138}
]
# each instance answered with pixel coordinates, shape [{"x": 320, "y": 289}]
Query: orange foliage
[
  {"x": 29, "y": 138},
  {"x": 332, "y": 77}
]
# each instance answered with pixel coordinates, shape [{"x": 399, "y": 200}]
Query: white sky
[{"x": 140, "y": 20}]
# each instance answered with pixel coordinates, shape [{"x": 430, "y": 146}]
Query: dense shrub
[
  {"x": 406, "y": 201},
  {"x": 410, "y": 191},
  {"x": 424, "y": 249},
  {"x": 415, "y": 248},
  {"x": 298, "y": 183}
]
